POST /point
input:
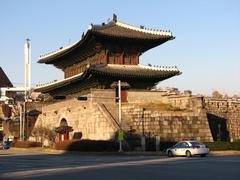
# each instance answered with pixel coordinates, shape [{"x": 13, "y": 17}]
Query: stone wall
[
  {"x": 182, "y": 101},
  {"x": 224, "y": 118},
  {"x": 169, "y": 125},
  {"x": 84, "y": 117},
  {"x": 233, "y": 118},
  {"x": 97, "y": 118}
]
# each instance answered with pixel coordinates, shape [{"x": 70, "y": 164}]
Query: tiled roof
[
  {"x": 115, "y": 72},
  {"x": 114, "y": 29},
  {"x": 4, "y": 81},
  {"x": 135, "y": 71},
  {"x": 119, "y": 29}
]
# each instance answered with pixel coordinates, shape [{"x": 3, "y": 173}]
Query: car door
[
  {"x": 184, "y": 148},
  {"x": 177, "y": 149},
  {"x": 180, "y": 149}
]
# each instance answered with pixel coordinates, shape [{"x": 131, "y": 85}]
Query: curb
[
  {"x": 139, "y": 153},
  {"x": 225, "y": 153}
]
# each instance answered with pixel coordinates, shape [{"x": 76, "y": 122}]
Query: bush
[
  {"x": 87, "y": 145},
  {"x": 26, "y": 144},
  {"x": 219, "y": 145}
]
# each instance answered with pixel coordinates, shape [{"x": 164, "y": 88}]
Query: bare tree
[
  {"x": 235, "y": 96},
  {"x": 44, "y": 133},
  {"x": 217, "y": 94}
]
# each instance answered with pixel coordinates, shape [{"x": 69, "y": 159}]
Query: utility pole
[
  {"x": 27, "y": 84},
  {"x": 20, "y": 121},
  {"x": 120, "y": 135},
  {"x": 143, "y": 139}
]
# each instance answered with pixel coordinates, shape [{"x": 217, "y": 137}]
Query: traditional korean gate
[
  {"x": 63, "y": 130},
  {"x": 64, "y": 136}
]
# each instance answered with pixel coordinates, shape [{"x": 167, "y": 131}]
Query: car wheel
[
  {"x": 170, "y": 154},
  {"x": 203, "y": 155},
  {"x": 188, "y": 154}
]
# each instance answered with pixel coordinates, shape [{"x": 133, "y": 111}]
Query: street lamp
[{"x": 143, "y": 140}]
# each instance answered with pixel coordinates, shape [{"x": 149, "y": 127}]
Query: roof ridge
[{"x": 144, "y": 30}]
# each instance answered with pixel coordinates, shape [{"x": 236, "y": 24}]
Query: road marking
[{"x": 49, "y": 171}]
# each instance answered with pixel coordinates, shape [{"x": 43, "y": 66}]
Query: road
[{"x": 27, "y": 165}]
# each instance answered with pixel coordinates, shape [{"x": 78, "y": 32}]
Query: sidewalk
[{"x": 139, "y": 153}]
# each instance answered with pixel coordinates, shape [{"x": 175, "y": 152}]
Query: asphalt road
[{"x": 20, "y": 165}]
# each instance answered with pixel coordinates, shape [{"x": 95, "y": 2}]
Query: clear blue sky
[{"x": 206, "y": 48}]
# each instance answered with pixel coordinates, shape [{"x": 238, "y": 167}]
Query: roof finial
[{"x": 114, "y": 17}]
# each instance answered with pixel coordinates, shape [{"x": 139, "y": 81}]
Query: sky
[{"x": 206, "y": 49}]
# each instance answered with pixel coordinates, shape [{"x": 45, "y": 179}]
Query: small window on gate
[{"x": 77, "y": 135}]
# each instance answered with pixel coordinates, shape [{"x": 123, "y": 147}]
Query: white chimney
[{"x": 27, "y": 55}]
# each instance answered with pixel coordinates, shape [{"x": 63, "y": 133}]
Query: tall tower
[{"x": 27, "y": 56}]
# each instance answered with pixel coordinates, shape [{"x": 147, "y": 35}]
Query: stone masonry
[
  {"x": 227, "y": 110},
  {"x": 97, "y": 119},
  {"x": 84, "y": 117},
  {"x": 169, "y": 125}
]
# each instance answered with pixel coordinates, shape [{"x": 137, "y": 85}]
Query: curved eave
[
  {"x": 141, "y": 72},
  {"x": 116, "y": 75},
  {"x": 58, "y": 84},
  {"x": 55, "y": 55},
  {"x": 157, "y": 37},
  {"x": 133, "y": 71}
]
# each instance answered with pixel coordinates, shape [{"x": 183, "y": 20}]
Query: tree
[
  {"x": 217, "y": 94},
  {"x": 235, "y": 96},
  {"x": 44, "y": 133}
]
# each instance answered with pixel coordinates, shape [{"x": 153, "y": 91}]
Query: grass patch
[
  {"x": 219, "y": 145},
  {"x": 159, "y": 106}
]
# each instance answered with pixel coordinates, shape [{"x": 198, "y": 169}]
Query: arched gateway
[{"x": 63, "y": 130}]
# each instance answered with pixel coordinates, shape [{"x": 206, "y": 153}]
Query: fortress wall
[
  {"x": 233, "y": 118},
  {"x": 169, "y": 125},
  {"x": 83, "y": 116},
  {"x": 182, "y": 101},
  {"x": 94, "y": 123},
  {"x": 220, "y": 110}
]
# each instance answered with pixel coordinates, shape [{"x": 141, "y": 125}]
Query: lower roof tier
[{"x": 104, "y": 75}]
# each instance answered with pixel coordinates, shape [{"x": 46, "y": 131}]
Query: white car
[{"x": 188, "y": 148}]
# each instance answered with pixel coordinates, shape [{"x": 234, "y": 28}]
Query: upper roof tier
[{"x": 104, "y": 33}]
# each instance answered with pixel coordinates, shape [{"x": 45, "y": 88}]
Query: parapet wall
[
  {"x": 169, "y": 125},
  {"x": 227, "y": 110}
]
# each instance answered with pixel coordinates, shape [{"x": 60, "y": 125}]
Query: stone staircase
[{"x": 111, "y": 112}]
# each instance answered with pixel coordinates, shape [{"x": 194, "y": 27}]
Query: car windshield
[{"x": 196, "y": 143}]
